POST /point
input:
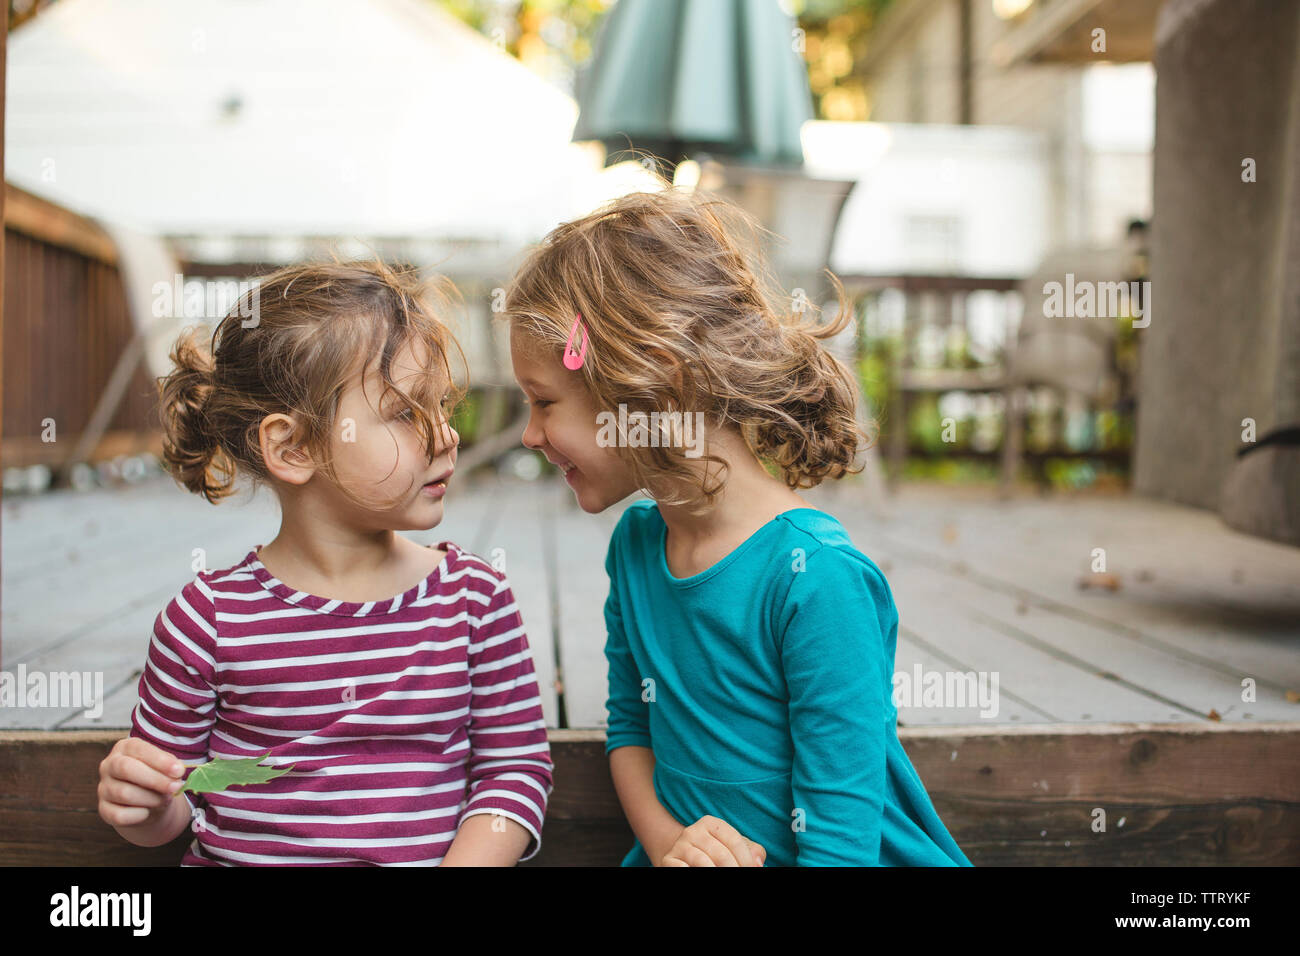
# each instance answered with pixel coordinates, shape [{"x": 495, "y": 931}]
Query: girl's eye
[
  {"x": 542, "y": 403},
  {"x": 408, "y": 414}
]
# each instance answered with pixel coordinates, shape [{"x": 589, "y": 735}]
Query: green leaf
[{"x": 216, "y": 775}]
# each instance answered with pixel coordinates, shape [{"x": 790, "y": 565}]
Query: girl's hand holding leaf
[{"x": 137, "y": 782}]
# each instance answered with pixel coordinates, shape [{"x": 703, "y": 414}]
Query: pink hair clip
[{"x": 573, "y": 359}]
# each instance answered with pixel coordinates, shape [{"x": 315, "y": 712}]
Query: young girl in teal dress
[{"x": 750, "y": 644}]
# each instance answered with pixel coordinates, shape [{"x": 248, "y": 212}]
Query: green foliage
[
  {"x": 950, "y": 470},
  {"x": 465, "y": 418},
  {"x": 923, "y": 423},
  {"x": 539, "y": 30},
  {"x": 875, "y": 371},
  {"x": 216, "y": 775}
]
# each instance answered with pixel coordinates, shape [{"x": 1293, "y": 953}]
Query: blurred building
[{"x": 972, "y": 62}]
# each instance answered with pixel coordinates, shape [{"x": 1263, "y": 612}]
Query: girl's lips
[{"x": 434, "y": 489}]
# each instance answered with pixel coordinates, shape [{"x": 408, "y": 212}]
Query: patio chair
[{"x": 1073, "y": 353}]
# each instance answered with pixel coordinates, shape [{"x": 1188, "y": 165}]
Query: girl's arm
[
  {"x": 177, "y": 706},
  {"x": 627, "y": 738},
  {"x": 633, "y": 771},
  {"x": 837, "y": 643},
  {"x": 509, "y": 769},
  {"x": 485, "y": 840}
]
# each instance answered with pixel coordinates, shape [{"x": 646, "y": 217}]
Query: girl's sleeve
[
  {"x": 629, "y": 715},
  {"x": 509, "y": 768},
  {"x": 833, "y": 631},
  {"x": 177, "y": 689}
]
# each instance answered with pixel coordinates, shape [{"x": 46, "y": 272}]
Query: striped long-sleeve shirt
[{"x": 400, "y": 718}]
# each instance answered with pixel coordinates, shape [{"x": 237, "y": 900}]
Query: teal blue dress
[{"x": 764, "y": 688}]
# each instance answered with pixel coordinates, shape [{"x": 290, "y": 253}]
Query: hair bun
[{"x": 189, "y": 446}]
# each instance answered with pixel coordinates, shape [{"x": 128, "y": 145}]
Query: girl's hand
[
  {"x": 713, "y": 842},
  {"x": 137, "y": 782}
]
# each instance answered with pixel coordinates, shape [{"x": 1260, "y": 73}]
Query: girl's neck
[
  {"x": 314, "y": 541},
  {"x": 750, "y": 498}
]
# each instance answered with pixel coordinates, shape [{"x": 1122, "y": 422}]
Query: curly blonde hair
[
  {"x": 314, "y": 327},
  {"x": 682, "y": 315}
]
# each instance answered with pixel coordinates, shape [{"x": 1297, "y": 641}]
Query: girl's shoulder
[
  {"x": 639, "y": 514},
  {"x": 464, "y": 570},
  {"x": 821, "y": 526},
  {"x": 827, "y": 547}
]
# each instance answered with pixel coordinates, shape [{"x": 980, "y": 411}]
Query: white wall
[
  {"x": 1096, "y": 122},
  {"x": 935, "y": 199}
]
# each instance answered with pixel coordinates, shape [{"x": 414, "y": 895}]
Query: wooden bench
[{"x": 1173, "y": 795}]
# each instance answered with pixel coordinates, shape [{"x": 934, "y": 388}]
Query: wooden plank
[
  {"x": 147, "y": 567},
  {"x": 910, "y": 652},
  {"x": 512, "y": 532},
  {"x": 1204, "y": 795},
  {"x": 49, "y": 532},
  {"x": 581, "y": 586},
  {"x": 115, "y": 654},
  {"x": 1057, "y": 665},
  {"x": 1167, "y": 653},
  {"x": 1033, "y": 554}
]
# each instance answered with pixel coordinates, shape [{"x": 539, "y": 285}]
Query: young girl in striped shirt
[
  {"x": 750, "y": 644},
  {"x": 394, "y": 680}
]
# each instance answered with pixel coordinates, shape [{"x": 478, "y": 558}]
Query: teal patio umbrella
[{"x": 679, "y": 78}]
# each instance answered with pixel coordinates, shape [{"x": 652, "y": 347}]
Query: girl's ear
[{"x": 283, "y": 455}]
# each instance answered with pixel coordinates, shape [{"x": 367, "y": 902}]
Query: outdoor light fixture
[{"x": 1008, "y": 9}]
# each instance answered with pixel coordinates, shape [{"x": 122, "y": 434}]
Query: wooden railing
[
  {"x": 941, "y": 302},
  {"x": 66, "y": 325}
]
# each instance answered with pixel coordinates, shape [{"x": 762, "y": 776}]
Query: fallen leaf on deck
[{"x": 1100, "y": 579}]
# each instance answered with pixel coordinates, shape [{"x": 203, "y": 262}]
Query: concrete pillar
[{"x": 1224, "y": 341}]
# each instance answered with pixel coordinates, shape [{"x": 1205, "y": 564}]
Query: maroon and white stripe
[{"x": 401, "y": 718}]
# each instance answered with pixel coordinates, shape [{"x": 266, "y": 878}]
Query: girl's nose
[
  {"x": 532, "y": 436},
  {"x": 450, "y": 440}
]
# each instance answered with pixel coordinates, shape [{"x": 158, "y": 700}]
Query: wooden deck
[
  {"x": 1185, "y": 612},
  {"x": 1126, "y": 697}
]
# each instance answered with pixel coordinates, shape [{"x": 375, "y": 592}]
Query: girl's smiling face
[{"x": 562, "y": 425}]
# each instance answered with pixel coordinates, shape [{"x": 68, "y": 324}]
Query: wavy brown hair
[
  {"x": 684, "y": 316},
  {"x": 313, "y": 327}
]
